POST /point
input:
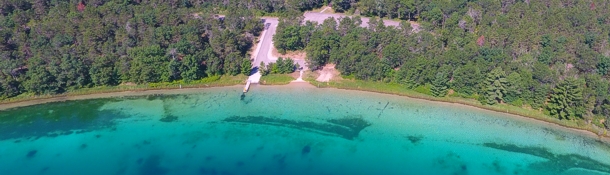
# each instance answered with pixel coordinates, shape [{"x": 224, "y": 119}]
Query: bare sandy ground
[
  {"x": 327, "y": 73},
  {"x": 297, "y": 56},
  {"x": 300, "y": 55},
  {"x": 319, "y": 15}
]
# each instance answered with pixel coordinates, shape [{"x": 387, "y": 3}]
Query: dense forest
[
  {"x": 49, "y": 47},
  {"x": 551, "y": 55}
]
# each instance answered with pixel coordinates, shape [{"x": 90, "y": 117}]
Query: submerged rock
[
  {"x": 415, "y": 139},
  {"x": 239, "y": 164},
  {"x": 152, "y": 166},
  {"x": 169, "y": 118},
  {"x": 306, "y": 150},
  {"x": 31, "y": 154}
]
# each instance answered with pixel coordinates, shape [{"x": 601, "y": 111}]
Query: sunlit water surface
[{"x": 284, "y": 130}]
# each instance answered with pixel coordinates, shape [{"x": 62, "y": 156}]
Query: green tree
[
  {"x": 73, "y": 73},
  {"x": 565, "y": 99},
  {"x": 287, "y": 66},
  {"x": 341, "y": 5},
  {"x": 466, "y": 79},
  {"x": 495, "y": 86},
  {"x": 439, "y": 85},
  {"x": 173, "y": 71},
  {"x": 263, "y": 69},
  {"x": 232, "y": 63},
  {"x": 246, "y": 66},
  {"x": 290, "y": 36},
  {"x": 103, "y": 72},
  {"x": 514, "y": 90},
  {"x": 603, "y": 67},
  {"x": 148, "y": 63},
  {"x": 191, "y": 67},
  {"x": 40, "y": 80},
  {"x": 273, "y": 68}
]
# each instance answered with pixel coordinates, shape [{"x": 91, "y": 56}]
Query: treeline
[
  {"x": 267, "y": 7},
  {"x": 550, "y": 55},
  {"x": 49, "y": 47},
  {"x": 281, "y": 66}
]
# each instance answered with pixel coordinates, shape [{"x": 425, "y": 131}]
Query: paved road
[
  {"x": 263, "y": 49},
  {"x": 320, "y": 17},
  {"x": 266, "y": 43}
]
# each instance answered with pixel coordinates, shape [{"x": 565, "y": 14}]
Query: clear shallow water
[{"x": 284, "y": 130}]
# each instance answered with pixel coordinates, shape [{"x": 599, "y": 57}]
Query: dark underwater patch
[
  {"x": 281, "y": 160},
  {"x": 56, "y": 119},
  {"x": 556, "y": 163},
  {"x": 207, "y": 171},
  {"x": 415, "y": 139},
  {"x": 31, "y": 154},
  {"x": 239, "y": 164},
  {"x": 168, "y": 118},
  {"x": 152, "y": 166},
  {"x": 452, "y": 162},
  {"x": 497, "y": 167},
  {"x": 347, "y": 127},
  {"x": 306, "y": 149}
]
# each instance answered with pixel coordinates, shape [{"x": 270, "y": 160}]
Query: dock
[{"x": 247, "y": 86}]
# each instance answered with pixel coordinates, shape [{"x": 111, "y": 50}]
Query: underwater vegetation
[
  {"x": 169, "y": 118},
  {"x": 55, "y": 119},
  {"x": 347, "y": 127},
  {"x": 556, "y": 163}
]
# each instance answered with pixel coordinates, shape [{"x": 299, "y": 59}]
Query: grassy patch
[
  {"x": 421, "y": 93},
  {"x": 425, "y": 89},
  {"x": 276, "y": 79}
]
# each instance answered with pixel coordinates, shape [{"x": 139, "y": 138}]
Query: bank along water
[{"x": 285, "y": 130}]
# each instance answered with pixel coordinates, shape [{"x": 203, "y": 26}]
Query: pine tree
[
  {"x": 565, "y": 99},
  {"x": 287, "y": 66},
  {"x": 246, "y": 66},
  {"x": 439, "y": 85},
  {"x": 495, "y": 87},
  {"x": 263, "y": 69}
]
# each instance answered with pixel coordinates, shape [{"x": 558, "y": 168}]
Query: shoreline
[
  {"x": 127, "y": 93},
  {"x": 514, "y": 115},
  {"x": 521, "y": 118},
  {"x": 143, "y": 92}
]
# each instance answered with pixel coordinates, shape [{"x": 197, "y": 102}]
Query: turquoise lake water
[{"x": 284, "y": 130}]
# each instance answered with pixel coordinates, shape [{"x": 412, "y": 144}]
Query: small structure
[{"x": 247, "y": 86}]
